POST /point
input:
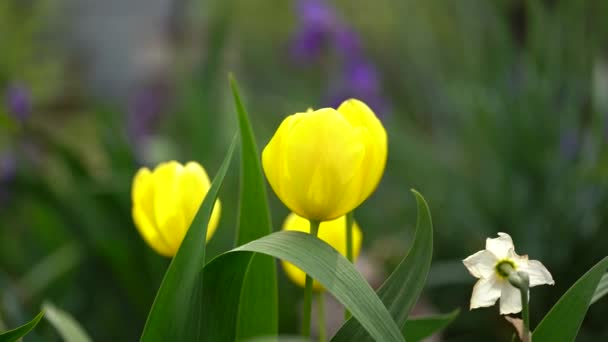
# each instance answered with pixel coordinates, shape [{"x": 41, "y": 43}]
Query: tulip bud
[
  {"x": 332, "y": 232},
  {"x": 165, "y": 202},
  {"x": 323, "y": 164}
]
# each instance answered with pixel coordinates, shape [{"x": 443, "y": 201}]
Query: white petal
[
  {"x": 481, "y": 264},
  {"x": 500, "y": 246},
  {"x": 538, "y": 273},
  {"x": 485, "y": 293},
  {"x": 510, "y": 299}
]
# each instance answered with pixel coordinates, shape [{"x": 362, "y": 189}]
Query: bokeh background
[{"x": 496, "y": 111}]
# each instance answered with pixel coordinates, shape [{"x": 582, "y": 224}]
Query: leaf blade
[
  {"x": 17, "y": 333},
  {"x": 601, "y": 290},
  {"x": 69, "y": 329},
  {"x": 401, "y": 290},
  {"x": 312, "y": 255},
  {"x": 179, "y": 286},
  {"x": 258, "y": 308},
  {"x": 565, "y": 318},
  {"x": 417, "y": 329}
]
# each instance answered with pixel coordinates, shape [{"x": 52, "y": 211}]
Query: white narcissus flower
[{"x": 493, "y": 282}]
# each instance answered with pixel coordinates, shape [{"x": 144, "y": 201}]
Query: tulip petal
[
  {"x": 485, "y": 292},
  {"x": 142, "y": 193},
  {"x": 500, "y": 246},
  {"x": 150, "y": 233},
  {"x": 359, "y": 115},
  {"x": 510, "y": 299},
  {"x": 324, "y": 155},
  {"x": 166, "y": 176},
  {"x": 481, "y": 264}
]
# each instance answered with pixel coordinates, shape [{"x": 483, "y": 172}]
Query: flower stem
[
  {"x": 525, "y": 314},
  {"x": 350, "y": 220},
  {"x": 314, "y": 230},
  {"x": 521, "y": 281},
  {"x": 321, "y": 318}
]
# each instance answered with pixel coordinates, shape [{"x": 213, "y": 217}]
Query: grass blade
[{"x": 601, "y": 290}]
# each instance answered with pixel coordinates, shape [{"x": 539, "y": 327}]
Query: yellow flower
[
  {"x": 323, "y": 164},
  {"x": 165, "y": 202},
  {"x": 332, "y": 232}
]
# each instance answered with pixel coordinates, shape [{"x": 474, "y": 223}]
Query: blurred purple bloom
[
  {"x": 347, "y": 42},
  {"x": 360, "y": 81},
  {"x": 320, "y": 28},
  {"x": 145, "y": 109},
  {"x": 569, "y": 144},
  {"x": 317, "y": 21},
  {"x": 8, "y": 167},
  {"x": 18, "y": 101}
]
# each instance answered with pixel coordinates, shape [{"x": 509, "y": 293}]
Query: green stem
[
  {"x": 525, "y": 314},
  {"x": 321, "y": 318},
  {"x": 350, "y": 221},
  {"x": 521, "y": 281},
  {"x": 314, "y": 230}
]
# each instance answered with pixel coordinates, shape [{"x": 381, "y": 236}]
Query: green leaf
[
  {"x": 601, "y": 290},
  {"x": 66, "y": 325},
  {"x": 258, "y": 307},
  {"x": 565, "y": 318},
  {"x": 419, "y": 328},
  {"x": 401, "y": 290},
  {"x": 224, "y": 274},
  {"x": 174, "y": 315},
  {"x": 17, "y": 333}
]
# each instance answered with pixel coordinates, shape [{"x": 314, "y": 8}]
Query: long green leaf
[
  {"x": 565, "y": 318},
  {"x": 419, "y": 328},
  {"x": 224, "y": 274},
  {"x": 173, "y": 316},
  {"x": 69, "y": 329},
  {"x": 17, "y": 333},
  {"x": 401, "y": 290},
  {"x": 601, "y": 290},
  {"x": 258, "y": 307}
]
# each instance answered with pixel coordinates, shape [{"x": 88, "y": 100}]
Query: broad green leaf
[
  {"x": 565, "y": 318},
  {"x": 65, "y": 324},
  {"x": 258, "y": 307},
  {"x": 17, "y": 333},
  {"x": 174, "y": 315},
  {"x": 401, "y": 290},
  {"x": 601, "y": 290},
  {"x": 419, "y": 328},
  {"x": 224, "y": 274}
]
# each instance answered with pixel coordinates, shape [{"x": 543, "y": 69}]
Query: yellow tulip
[
  {"x": 165, "y": 202},
  {"x": 323, "y": 164},
  {"x": 333, "y": 232}
]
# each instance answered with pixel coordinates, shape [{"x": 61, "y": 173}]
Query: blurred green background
[{"x": 496, "y": 111}]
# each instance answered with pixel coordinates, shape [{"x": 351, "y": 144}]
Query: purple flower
[
  {"x": 18, "y": 101},
  {"x": 569, "y": 144},
  {"x": 360, "y": 80},
  {"x": 8, "y": 167},
  {"x": 317, "y": 21},
  {"x": 145, "y": 109},
  {"x": 347, "y": 42}
]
